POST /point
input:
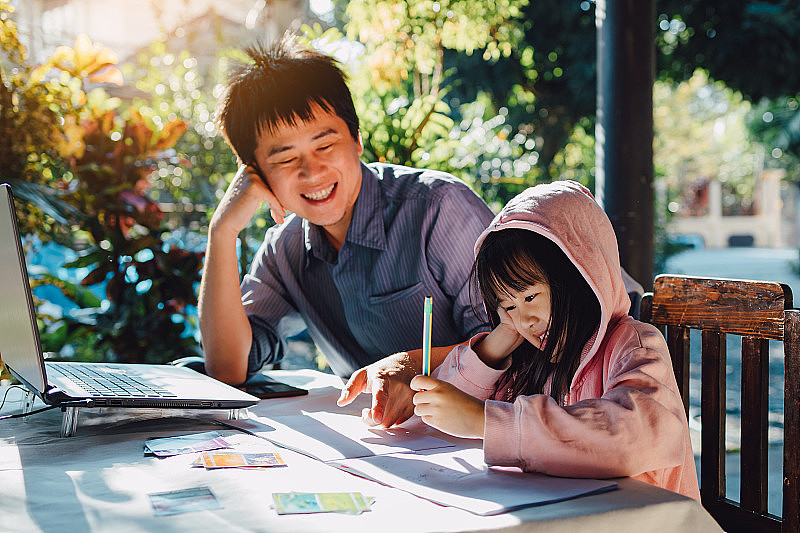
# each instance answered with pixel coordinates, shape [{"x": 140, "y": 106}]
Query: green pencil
[{"x": 426, "y": 336}]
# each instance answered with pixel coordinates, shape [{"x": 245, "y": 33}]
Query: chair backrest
[{"x": 758, "y": 312}]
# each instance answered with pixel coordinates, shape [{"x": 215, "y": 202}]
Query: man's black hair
[{"x": 280, "y": 87}]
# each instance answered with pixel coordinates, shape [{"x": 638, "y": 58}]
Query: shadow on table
[{"x": 60, "y": 474}]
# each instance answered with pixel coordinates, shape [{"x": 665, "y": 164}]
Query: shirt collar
[{"x": 366, "y": 225}]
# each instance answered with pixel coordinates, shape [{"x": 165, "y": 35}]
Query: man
[{"x": 362, "y": 248}]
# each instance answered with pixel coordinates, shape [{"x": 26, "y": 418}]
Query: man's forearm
[{"x": 224, "y": 326}]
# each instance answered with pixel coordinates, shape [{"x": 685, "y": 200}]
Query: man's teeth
[{"x": 320, "y": 195}]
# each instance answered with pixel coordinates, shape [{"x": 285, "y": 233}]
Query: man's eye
[
  {"x": 285, "y": 161},
  {"x": 321, "y": 148},
  {"x": 530, "y": 298}
]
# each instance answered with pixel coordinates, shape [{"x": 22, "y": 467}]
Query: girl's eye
[
  {"x": 510, "y": 308},
  {"x": 530, "y": 298}
]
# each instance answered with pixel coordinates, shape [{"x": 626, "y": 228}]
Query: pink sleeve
[
  {"x": 634, "y": 426},
  {"x": 464, "y": 369}
]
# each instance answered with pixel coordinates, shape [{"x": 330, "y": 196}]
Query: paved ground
[{"x": 771, "y": 264}]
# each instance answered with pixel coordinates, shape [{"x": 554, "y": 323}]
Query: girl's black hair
[
  {"x": 514, "y": 259},
  {"x": 279, "y": 87}
]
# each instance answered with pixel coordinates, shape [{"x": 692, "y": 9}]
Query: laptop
[{"x": 87, "y": 384}]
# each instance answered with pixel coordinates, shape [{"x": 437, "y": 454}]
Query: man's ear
[{"x": 360, "y": 145}]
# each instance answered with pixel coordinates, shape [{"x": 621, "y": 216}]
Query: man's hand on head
[
  {"x": 245, "y": 194},
  {"x": 388, "y": 381}
]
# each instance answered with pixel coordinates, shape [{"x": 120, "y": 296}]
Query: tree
[
  {"x": 30, "y": 129},
  {"x": 776, "y": 124},
  {"x": 86, "y": 167},
  {"x": 548, "y": 81},
  {"x": 701, "y": 134},
  {"x": 403, "y": 94},
  {"x": 753, "y": 46},
  {"x": 544, "y": 85},
  {"x": 192, "y": 181}
]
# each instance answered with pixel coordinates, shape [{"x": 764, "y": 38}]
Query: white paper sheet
[
  {"x": 460, "y": 478},
  {"x": 333, "y": 436},
  {"x": 422, "y": 465}
]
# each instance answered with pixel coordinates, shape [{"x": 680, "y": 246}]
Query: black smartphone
[{"x": 267, "y": 388}]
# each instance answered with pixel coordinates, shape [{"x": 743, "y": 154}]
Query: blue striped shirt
[{"x": 411, "y": 235}]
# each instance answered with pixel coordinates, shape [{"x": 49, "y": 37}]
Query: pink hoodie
[{"x": 623, "y": 413}]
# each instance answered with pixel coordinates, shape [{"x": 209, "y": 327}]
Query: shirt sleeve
[
  {"x": 461, "y": 218},
  {"x": 269, "y": 308},
  {"x": 636, "y": 425}
]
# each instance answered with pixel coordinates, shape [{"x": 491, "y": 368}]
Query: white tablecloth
[{"x": 99, "y": 480}]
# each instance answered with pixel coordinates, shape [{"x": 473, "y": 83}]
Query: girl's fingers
[
  {"x": 421, "y": 398},
  {"x": 421, "y": 382}
]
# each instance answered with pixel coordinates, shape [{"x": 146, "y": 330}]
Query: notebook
[{"x": 87, "y": 384}]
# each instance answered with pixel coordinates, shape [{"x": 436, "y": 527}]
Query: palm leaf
[{"x": 47, "y": 200}]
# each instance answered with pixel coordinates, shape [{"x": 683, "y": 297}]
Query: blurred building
[
  {"x": 125, "y": 26},
  {"x": 768, "y": 219}
]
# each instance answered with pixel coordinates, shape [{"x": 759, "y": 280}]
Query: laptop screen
[{"x": 19, "y": 337}]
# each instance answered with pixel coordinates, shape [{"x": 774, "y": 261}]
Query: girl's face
[{"x": 529, "y": 310}]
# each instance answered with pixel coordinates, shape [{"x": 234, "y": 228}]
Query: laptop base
[{"x": 69, "y": 414}]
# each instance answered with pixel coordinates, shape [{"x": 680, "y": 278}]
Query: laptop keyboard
[{"x": 101, "y": 382}]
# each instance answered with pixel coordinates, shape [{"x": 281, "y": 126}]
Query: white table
[{"x": 99, "y": 479}]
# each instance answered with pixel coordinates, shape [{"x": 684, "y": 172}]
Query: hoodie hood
[{"x": 566, "y": 213}]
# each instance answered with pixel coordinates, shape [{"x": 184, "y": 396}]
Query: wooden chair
[{"x": 758, "y": 312}]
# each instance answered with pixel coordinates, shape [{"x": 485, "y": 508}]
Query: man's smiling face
[{"x": 314, "y": 170}]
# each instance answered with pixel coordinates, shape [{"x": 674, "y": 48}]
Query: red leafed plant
[{"x": 81, "y": 169}]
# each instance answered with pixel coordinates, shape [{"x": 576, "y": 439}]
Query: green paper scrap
[{"x": 321, "y": 502}]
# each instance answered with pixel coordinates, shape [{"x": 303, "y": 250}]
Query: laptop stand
[{"x": 69, "y": 416}]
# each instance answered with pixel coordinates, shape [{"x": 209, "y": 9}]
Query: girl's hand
[
  {"x": 443, "y": 406},
  {"x": 507, "y": 328},
  {"x": 495, "y": 348}
]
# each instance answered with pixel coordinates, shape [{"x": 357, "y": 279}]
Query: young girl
[{"x": 566, "y": 383}]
